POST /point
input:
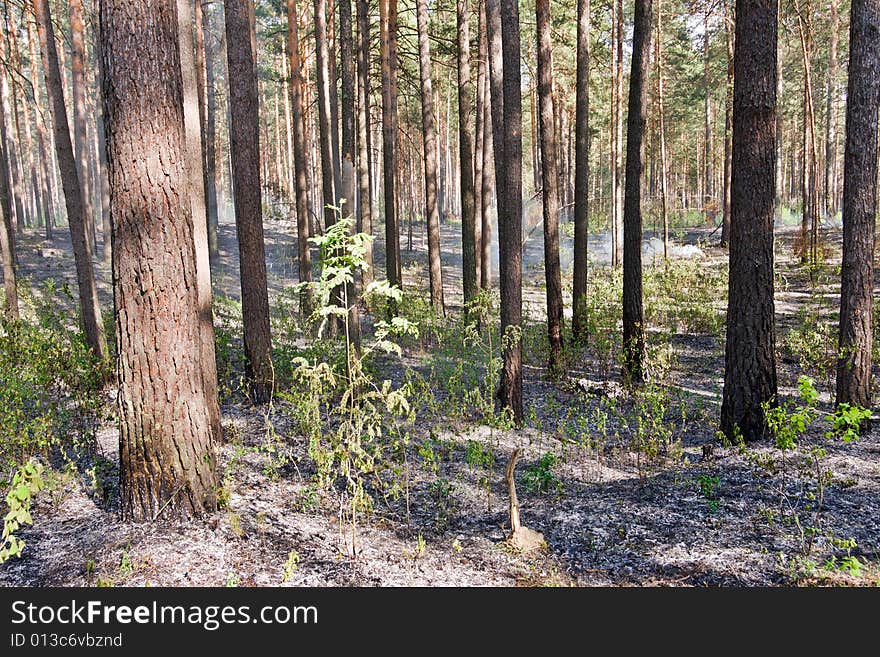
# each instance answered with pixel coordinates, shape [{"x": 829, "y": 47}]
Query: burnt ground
[{"x": 693, "y": 515}]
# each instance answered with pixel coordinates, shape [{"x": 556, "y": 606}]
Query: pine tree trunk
[
  {"x": 750, "y": 362},
  {"x": 7, "y": 239},
  {"x": 207, "y": 113},
  {"x": 245, "y": 152},
  {"x": 707, "y": 103},
  {"x": 633, "y": 314},
  {"x": 581, "y": 170},
  {"x": 365, "y": 176},
  {"x": 466, "y": 156},
  {"x": 45, "y": 164},
  {"x": 78, "y": 88},
  {"x": 550, "y": 189},
  {"x": 82, "y": 250},
  {"x": 830, "y": 204},
  {"x": 329, "y": 180},
  {"x": 728, "y": 123},
  {"x": 859, "y": 206},
  {"x": 429, "y": 140},
  {"x": 167, "y": 463},
  {"x": 502, "y": 22},
  {"x": 388, "y": 55},
  {"x": 488, "y": 180},
  {"x": 301, "y": 169}
]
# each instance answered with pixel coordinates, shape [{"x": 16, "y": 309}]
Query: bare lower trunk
[
  {"x": 388, "y": 53},
  {"x": 581, "y": 170},
  {"x": 466, "y": 156},
  {"x": 365, "y": 182}
]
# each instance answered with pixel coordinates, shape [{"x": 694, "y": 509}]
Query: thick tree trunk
[
  {"x": 750, "y": 362},
  {"x": 301, "y": 170},
  {"x": 245, "y": 139},
  {"x": 581, "y": 170},
  {"x": 365, "y": 179},
  {"x": 502, "y": 22},
  {"x": 82, "y": 250},
  {"x": 549, "y": 189},
  {"x": 167, "y": 463},
  {"x": 429, "y": 139},
  {"x": 859, "y": 206},
  {"x": 633, "y": 314},
  {"x": 466, "y": 155},
  {"x": 388, "y": 55}
]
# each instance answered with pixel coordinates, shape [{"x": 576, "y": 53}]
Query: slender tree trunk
[
  {"x": 750, "y": 362},
  {"x": 728, "y": 123},
  {"x": 466, "y": 155},
  {"x": 502, "y": 22},
  {"x": 707, "y": 103},
  {"x": 429, "y": 140},
  {"x": 388, "y": 53},
  {"x": 664, "y": 167},
  {"x": 479, "y": 146},
  {"x": 7, "y": 239},
  {"x": 549, "y": 189},
  {"x": 194, "y": 166},
  {"x": 16, "y": 212},
  {"x": 347, "y": 180},
  {"x": 581, "y": 170},
  {"x": 245, "y": 151},
  {"x": 618, "y": 135},
  {"x": 365, "y": 180},
  {"x": 329, "y": 180},
  {"x": 207, "y": 113},
  {"x": 633, "y": 314},
  {"x": 167, "y": 463},
  {"x": 779, "y": 171},
  {"x": 78, "y": 87},
  {"x": 301, "y": 170},
  {"x": 45, "y": 159},
  {"x": 829, "y": 187},
  {"x": 488, "y": 182},
  {"x": 859, "y": 206},
  {"x": 82, "y": 250}
]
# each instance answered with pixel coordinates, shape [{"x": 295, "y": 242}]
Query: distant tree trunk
[
  {"x": 750, "y": 362},
  {"x": 466, "y": 155},
  {"x": 194, "y": 164},
  {"x": 15, "y": 212},
  {"x": 633, "y": 315},
  {"x": 329, "y": 180},
  {"x": 488, "y": 185},
  {"x": 207, "y": 114},
  {"x": 549, "y": 189},
  {"x": 301, "y": 186},
  {"x": 728, "y": 123},
  {"x": 664, "y": 168},
  {"x": 78, "y": 88},
  {"x": 45, "y": 160},
  {"x": 830, "y": 204},
  {"x": 859, "y": 206},
  {"x": 82, "y": 250},
  {"x": 581, "y": 170},
  {"x": 429, "y": 139},
  {"x": 810, "y": 222},
  {"x": 617, "y": 81},
  {"x": 388, "y": 55},
  {"x": 245, "y": 139},
  {"x": 330, "y": 22},
  {"x": 502, "y": 22},
  {"x": 365, "y": 182},
  {"x": 479, "y": 147},
  {"x": 167, "y": 463},
  {"x": 101, "y": 182},
  {"x": 779, "y": 172},
  {"x": 707, "y": 104}
]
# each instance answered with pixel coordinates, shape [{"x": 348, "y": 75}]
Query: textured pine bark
[
  {"x": 7, "y": 251},
  {"x": 365, "y": 178},
  {"x": 429, "y": 139},
  {"x": 388, "y": 55},
  {"x": 46, "y": 163},
  {"x": 750, "y": 362},
  {"x": 859, "y": 206},
  {"x": 329, "y": 181},
  {"x": 245, "y": 152},
  {"x": 207, "y": 118},
  {"x": 300, "y": 163},
  {"x": 633, "y": 313},
  {"x": 466, "y": 154},
  {"x": 82, "y": 249},
  {"x": 167, "y": 462},
  {"x": 78, "y": 91},
  {"x": 550, "y": 189},
  {"x": 581, "y": 169}
]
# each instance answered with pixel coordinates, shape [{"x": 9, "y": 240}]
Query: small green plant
[
  {"x": 26, "y": 483},
  {"x": 480, "y": 457},
  {"x": 846, "y": 422},
  {"x": 540, "y": 477},
  {"x": 709, "y": 490}
]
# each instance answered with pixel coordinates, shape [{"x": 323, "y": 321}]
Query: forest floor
[{"x": 627, "y": 489}]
